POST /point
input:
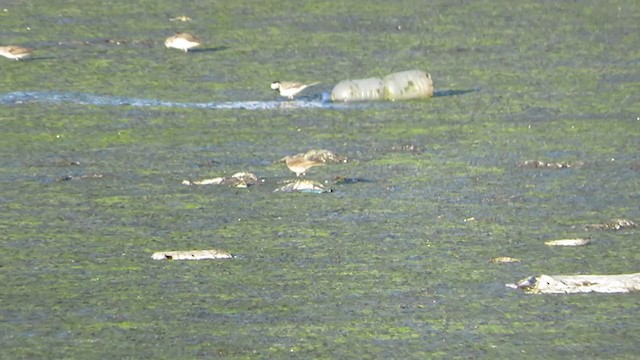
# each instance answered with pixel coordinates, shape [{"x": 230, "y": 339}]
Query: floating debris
[
  {"x": 358, "y": 90},
  {"x": 571, "y": 284},
  {"x": 404, "y": 85},
  {"x": 214, "y": 181},
  {"x": 504, "y": 260},
  {"x": 567, "y": 242},
  {"x": 64, "y": 163},
  {"x": 114, "y": 41},
  {"x": 239, "y": 180},
  {"x": 411, "y": 148},
  {"x": 81, "y": 177},
  {"x": 616, "y": 224},
  {"x": 344, "y": 180},
  {"x": 304, "y": 186},
  {"x": 536, "y": 164},
  {"x": 109, "y": 41},
  {"x": 180, "y": 18},
  {"x": 191, "y": 255},
  {"x": 407, "y": 85}
]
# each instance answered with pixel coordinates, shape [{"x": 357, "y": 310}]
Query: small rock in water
[
  {"x": 537, "y": 164},
  {"x": 305, "y": 186},
  {"x": 504, "y": 260},
  {"x": 239, "y": 180},
  {"x": 616, "y": 224}
]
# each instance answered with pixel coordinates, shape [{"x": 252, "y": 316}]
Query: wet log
[
  {"x": 239, "y": 180},
  {"x": 571, "y": 284},
  {"x": 504, "y": 260},
  {"x": 191, "y": 255},
  {"x": 567, "y": 242},
  {"x": 616, "y": 224}
]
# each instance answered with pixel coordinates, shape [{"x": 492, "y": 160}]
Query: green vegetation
[{"x": 393, "y": 266}]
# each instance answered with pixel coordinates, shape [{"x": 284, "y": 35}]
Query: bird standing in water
[
  {"x": 300, "y": 165},
  {"x": 290, "y": 89},
  {"x": 182, "y": 41},
  {"x": 15, "y": 52}
]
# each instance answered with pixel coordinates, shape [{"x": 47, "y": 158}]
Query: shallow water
[{"x": 97, "y": 138}]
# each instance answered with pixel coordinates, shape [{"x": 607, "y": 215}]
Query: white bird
[{"x": 290, "y": 89}]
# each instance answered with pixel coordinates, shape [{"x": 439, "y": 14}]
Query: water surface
[{"x": 99, "y": 129}]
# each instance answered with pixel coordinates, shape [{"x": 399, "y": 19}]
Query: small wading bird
[
  {"x": 300, "y": 165},
  {"x": 15, "y": 52},
  {"x": 183, "y": 41},
  {"x": 290, "y": 89}
]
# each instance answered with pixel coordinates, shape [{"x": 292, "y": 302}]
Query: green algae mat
[{"x": 100, "y": 127}]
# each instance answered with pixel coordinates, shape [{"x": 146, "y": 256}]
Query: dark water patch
[
  {"x": 631, "y": 77},
  {"x": 36, "y": 58},
  {"x": 209, "y": 49},
  {"x": 439, "y": 93},
  {"x": 536, "y": 113}
]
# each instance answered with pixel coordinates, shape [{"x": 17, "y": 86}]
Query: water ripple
[{"x": 20, "y": 97}]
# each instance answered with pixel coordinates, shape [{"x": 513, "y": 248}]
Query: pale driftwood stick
[
  {"x": 191, "y": 255},
  {"x": 570, "y": 284},
  {"x": 567, "y": 242}
]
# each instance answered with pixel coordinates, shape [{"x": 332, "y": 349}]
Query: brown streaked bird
[
  {"x": 15, "y": 52},
  {"x": 300, "y": 165},
  {"x": 289, "y": 88},
  {"x": 182, "y": 41}
]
